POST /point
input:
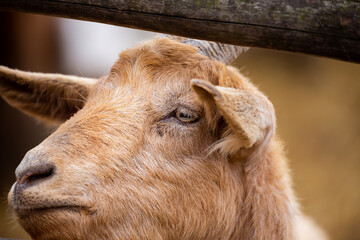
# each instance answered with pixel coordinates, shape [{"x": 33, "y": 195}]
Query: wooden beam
[{"x": 318, "y": 27}]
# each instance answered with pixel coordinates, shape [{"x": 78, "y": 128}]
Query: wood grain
[{"x": 318, "y": 27}]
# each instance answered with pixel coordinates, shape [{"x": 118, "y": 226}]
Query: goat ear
[
  {"x": 52, "y": 98},
  {"x": 249, "y": 114}
]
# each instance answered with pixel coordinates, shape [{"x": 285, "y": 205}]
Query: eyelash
[
  {"x": 185, "y": 116},
  {"x": 176, "y": 115}
]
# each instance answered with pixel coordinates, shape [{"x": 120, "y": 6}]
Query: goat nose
[{"x": 34, "y": 175}]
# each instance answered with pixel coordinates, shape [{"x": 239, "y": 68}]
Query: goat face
[{"x": 152, "y": 153}]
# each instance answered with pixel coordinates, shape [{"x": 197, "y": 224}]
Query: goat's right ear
[
  {"x": 52, "y": 98},
  {"x": 249, "y": 114}
]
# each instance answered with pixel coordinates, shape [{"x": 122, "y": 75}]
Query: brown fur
[{"x": 126, "y": 168}]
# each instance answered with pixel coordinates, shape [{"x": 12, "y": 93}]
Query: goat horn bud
[{"x": 217, "y": 51}]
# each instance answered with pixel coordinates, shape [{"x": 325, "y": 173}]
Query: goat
[{"x": 172, "y": 144}]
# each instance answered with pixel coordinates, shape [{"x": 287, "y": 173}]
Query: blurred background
[{"x": 317, "y": 102}]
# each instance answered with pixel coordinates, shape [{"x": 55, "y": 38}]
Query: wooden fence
[{"x": 318, "y": 27}]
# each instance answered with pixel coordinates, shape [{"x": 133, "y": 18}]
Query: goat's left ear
[
  {"x": 52, "y": 98},
  {"x": 249, "y": 114}
]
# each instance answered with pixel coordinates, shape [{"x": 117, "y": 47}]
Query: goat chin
[{"x": 170, "y": 145}]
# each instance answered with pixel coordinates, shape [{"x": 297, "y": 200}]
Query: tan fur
[
  {"x": 32, "y": 93},
  {"x": 126, "y": 168}
]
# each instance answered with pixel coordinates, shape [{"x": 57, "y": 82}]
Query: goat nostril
[{"x": 35, "y": 174}]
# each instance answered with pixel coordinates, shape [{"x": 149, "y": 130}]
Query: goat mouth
[{"x": 29, "y": 212}]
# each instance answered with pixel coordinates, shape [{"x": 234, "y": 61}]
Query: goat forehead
[
  {"x": 135, "y": 100},
  {"x": 160, "y": 61},
  {"x": 162, "y": 81},
  {"x": 155, "y": 78}
]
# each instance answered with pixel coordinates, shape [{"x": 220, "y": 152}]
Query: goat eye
[{"x": 186, "y": 117}]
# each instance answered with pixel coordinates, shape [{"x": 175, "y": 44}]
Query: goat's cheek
[{"x": 178, "y": 140}]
